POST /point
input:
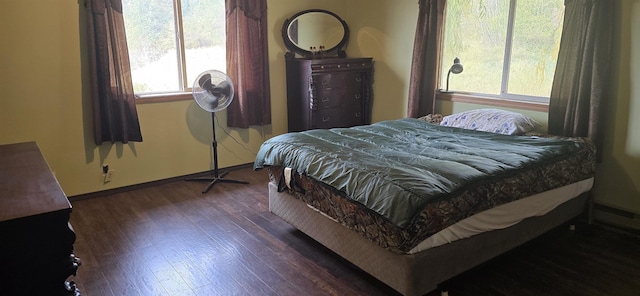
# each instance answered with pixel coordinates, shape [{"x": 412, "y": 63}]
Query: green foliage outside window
[
  {"x": 153, "y": 47},
  {"x": 476, "y": 32}
]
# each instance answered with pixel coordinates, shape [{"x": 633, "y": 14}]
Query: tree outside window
[
  {"x": 172, "y": 41},
  {"x": 509, "y": 49}
]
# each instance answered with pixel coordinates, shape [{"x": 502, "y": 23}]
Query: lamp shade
[{"x": 456, "y": 68}]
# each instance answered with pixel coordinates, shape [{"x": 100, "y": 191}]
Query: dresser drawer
[
  {"x": 337, "y": 80},
  {"x": 337, "y": 117},
  {"x": 323, "y": 99}
]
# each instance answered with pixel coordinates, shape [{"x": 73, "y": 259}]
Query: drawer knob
[
  {"x": 324, "y": 100},
  {"x": 326, "y": 119}
]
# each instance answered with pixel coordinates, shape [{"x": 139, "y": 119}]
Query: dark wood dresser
[
  {"x": 36, "y": 239},
  {"x": 328, "y": 92}
]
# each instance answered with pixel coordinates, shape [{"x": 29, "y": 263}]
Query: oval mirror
[{"x": 315, "y": 32}]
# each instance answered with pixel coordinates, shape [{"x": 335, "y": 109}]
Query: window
[
  {"x": 172, "y": 41},
  {"x": 509, "y": 49}
]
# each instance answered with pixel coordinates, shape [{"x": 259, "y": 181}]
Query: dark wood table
[{"x": 36, "y": 239}]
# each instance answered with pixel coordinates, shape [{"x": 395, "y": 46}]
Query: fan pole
[
  {"x": 214, "y": 144},
  {"x": 216, "y": 177}
]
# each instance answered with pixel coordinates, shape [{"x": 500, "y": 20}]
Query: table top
[{"x": 27, "y": 184}]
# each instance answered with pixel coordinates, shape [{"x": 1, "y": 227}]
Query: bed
[{"x": 414, "y": 203}]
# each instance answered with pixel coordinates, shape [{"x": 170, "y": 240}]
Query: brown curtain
[
  {"x": 578, "y": 93},
  {"x": 425, "y": 64},
  {"x": 248, "y": 63},
  {"x": 115, "y": 117}
]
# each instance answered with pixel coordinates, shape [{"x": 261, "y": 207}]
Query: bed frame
[{"x": 420, "y": 273}]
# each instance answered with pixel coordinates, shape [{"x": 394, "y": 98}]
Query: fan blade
[
  {"x": 205, "y": 83},
  {"x": 222, "y": 89}
]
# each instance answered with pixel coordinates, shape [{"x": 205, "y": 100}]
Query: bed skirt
[{"x": 419, "y": 273}]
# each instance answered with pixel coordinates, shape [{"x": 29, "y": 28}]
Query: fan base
[{"x": 213, "y": 180}]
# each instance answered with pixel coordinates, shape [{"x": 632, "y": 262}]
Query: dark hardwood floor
[{"x": 173, "y": 240}]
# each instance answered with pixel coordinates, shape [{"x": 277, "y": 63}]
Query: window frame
[
  {"x": 504, "y": 99},
  {"x": 180, "y": 51},
  {"x": 471, "y": 98}
]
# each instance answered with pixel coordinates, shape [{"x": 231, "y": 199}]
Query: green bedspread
[{"x": 397, "y": 168}]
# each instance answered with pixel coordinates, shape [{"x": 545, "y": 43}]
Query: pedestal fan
[{"x": 213, "y": 92}]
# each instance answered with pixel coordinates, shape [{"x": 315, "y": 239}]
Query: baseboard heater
[{"x": 616, "y": 216}]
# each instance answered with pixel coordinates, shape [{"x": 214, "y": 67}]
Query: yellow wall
[
  {"x": 384, "y": 30},
  {"x": 618, "y": 177},
  {"x": 44, "y": 97}
]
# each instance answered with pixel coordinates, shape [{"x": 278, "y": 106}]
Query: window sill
[
  {"x": 164, "y": 97},
  {"x": 496, "y": 102}
]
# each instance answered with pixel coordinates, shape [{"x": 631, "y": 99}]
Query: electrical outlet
[{"x": 107, "y": 176}]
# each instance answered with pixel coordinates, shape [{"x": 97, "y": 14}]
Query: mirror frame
[{"x": 293, "y": 48}]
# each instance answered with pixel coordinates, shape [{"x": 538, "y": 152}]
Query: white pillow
[{"x": 491, "y": 120}]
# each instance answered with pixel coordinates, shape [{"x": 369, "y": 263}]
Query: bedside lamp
[{"x": 456, "y": 68}]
